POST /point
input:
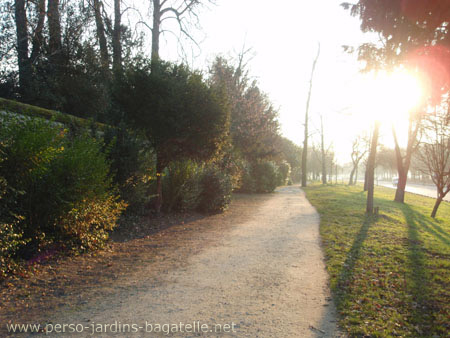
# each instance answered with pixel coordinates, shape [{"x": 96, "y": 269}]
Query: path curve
[{"x": 264, "y": 277}]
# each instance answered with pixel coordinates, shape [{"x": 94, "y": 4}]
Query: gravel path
[{"x": 262, "y": 275}]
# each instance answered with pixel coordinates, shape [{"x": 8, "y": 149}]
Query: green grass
[{"x": 390, "y": 275}]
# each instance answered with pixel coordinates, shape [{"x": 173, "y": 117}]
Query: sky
[{"x": 284, "y": 36}]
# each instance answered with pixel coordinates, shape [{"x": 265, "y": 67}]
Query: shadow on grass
[
  {"x": 341, "y": 292},
  {"x": 421, "y": 306},
  {"x": 426, "y": 224},
  {"x": 353, "y": 255}
]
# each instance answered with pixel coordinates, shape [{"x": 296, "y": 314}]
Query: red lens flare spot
[{"x": 433, "y": 63}]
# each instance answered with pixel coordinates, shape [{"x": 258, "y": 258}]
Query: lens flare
[{"x": 390, "y": 97}]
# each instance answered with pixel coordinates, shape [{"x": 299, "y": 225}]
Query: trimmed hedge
[{"x": 15, "y": 107}]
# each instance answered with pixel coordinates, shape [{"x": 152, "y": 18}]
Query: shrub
[
  {"x": 181, "y": 186},
  {"x": 10, "y": 237},
  {"x": 248, "y": 182},
  {"x": 296, "y": 174},
  {"x": 284, "y": 170},
  {"x": 266, "y": 176},
  {"x": 10, "y": 242},
  {"x": 64, "y": 185},
  {"x": 261, "y": 177},
  {"x": 87, "y": 224},
  {"x": 84, "y": 202},
  {"x": 215, "y": 190},
  {"x": 132, "y": 167}
]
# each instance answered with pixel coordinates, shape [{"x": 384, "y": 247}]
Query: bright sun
[{"x": 389, "y": 97}]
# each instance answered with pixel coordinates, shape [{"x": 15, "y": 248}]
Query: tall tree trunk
[
  {"x": 366, "y": 185},
  {"x": 54, "y": 29},
  {"x": 156, "y": 29},
  {"x": 305, "y": 153},
  {"x": 37, "y": 36},
  {"x": 324, "y": 167},
  {"x": 104, "y": 57},
  {"x": 371, "y": 169},
  {"x": 436, "y": 206},
  {"x": 404, "y": 163},
  {"x": 305, "y": 141},
  {"x": 23, "y": 61},
  {"x": 352, "y": 173},
  {"x": 117, "y": 43}
]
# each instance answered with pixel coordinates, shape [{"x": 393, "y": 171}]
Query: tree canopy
[{"x": 180, "y": 114}]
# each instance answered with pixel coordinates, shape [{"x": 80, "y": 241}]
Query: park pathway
[{"x": 262, "y": 275}]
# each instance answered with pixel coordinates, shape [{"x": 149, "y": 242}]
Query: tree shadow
[
  {"x": 421, "y": 304},
  {"x": 426, "y": 224},
  {"x": 352, "y": 258},
  {"x": 341, "y": 292}
]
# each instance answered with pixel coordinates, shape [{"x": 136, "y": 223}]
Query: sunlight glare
[{"x": 392, "y": 96}]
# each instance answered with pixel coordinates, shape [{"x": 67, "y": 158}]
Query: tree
[
  {"x": 116, "y": 38},
  {"x": 387, "y": 160},
  {"x": 181, "y": 116},
  {"x": 182, "y": 11},
  {"x": 324, "y": 155},
  {"x": 407, "y": 29},
  {"x": 54, "y": 31},
  {"x": 413, "y": 34},
  {"x": 359, "y": 150},
  {"x": 101, "y": 35},
  {"x": 305, "y": 141},
  {"x": 371, "y": 169},
  {"x": 254, "y": 125},
  {"x": 289, "y": 151},
  {"x": 25, "y": 57},
  {"x": 22, "y": 46},
  {"x": 435, "y": 153},
  {"x": 404, "y": 161}
]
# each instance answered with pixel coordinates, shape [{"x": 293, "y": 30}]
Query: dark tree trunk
[
  {"x": 54, "y": 29},
  {"x": 37, "y": 36},
  {"x": 117, "y": 43},
  {"x": 352, "y": 173},
  {"x": 401, "y": 186},
  {"x": 101, "y": 34},
  {"x": 404, "y": 163},
  {"x": 436, "y": 206},
  {"x": 156, "y": 29},
  {"x": 23, "y": 61},
  {"x": 366, "y": 185},
  {"x": 371, "y": 169}
]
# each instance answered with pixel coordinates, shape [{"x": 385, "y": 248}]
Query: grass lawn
[{"x": 390, "y": 275}]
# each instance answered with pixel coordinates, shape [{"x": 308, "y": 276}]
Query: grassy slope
[{"x": 390, "y": 276}]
